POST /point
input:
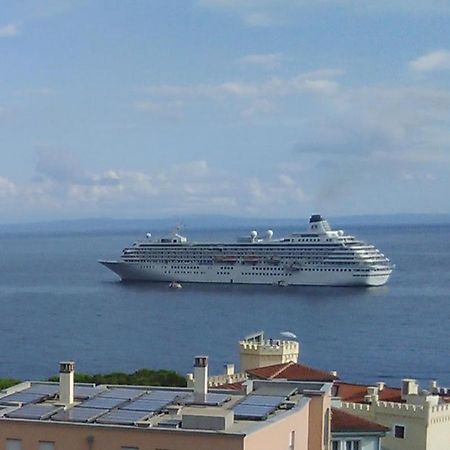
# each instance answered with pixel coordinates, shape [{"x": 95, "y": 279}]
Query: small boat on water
[
  {"x": 175, "y": 285},
  {"x": 280, "y": 283}
]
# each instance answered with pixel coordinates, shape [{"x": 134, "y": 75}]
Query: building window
[
  {"x": 335, "y": 445},
  {"x": 352, "y": 445},
  {"x": 13, "y": 444},
  {"x": 326, "y": 428},
  {"x": 46, "y": 445},
  {"x": 291, "y": 440},
  {"x": 399, "y": 431}
]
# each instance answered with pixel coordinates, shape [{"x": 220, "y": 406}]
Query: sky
[{"x": 255, "y": 108}]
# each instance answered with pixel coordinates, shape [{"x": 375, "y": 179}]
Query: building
[
  {"x": 418, "y": 419},
  {"x": 255, "y": 351},
  {"x": 267, "y": 359},
  {"x": 350, "y": 432},
  {"x": 261, "y": 415}
]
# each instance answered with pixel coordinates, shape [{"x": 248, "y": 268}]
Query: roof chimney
[
  {"x": 200, "y": 375},
  {"x": 433, "y": 387},
  {"x": 229, "y": 369},
  {"x": 380, "y": 385},
  {"x": 372, "y": 394},
  {"x": 409, "y": 387},
  {"x": 66, "y": 385}
]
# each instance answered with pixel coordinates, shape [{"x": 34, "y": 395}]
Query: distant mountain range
[{"x": 214, "y": 222}]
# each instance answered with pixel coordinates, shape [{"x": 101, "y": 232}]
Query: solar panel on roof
[
  {"x": 43, "y": 388},
  {"x": 123, "y": 417},
  {"x": 264, "y": 400},
  {"x": 252, "y": 412},
  {"x": 169, "y": 423},
  {"x": 279, "y": 390},
  {"x": 22, "y": 397},
  {"x": 81, "y": 392},
  {"x": 146, "y": 405},
  {"x": 124, "y": 393},
  {"x": 78, "y": 414},
  {"x": 102, "y": 402},
  {"x": 209, "y": 399},
  {"x": 32, "y": 411},
  {"x": 165, "y": 395}
]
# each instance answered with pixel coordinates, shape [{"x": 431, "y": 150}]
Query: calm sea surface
[{"x": 58, "y": 303}]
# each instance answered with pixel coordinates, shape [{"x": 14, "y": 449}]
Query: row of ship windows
[
  {"x": 242, "y": 251},
  {"x": 261, "y": 273},
  {"x": 254, "y": 254}
]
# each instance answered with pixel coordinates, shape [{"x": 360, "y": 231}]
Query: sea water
[{"x": 57, "y": 303}]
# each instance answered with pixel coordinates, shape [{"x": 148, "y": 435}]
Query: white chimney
[
  {"x": 200, "y": 375},
  {"x": 372, "y": 394},
  {"x": 380, "y": 385},
  {"x": 433, "y": 387},
  {"x": 66, "y": 385},
  {"x": 229, "y": 369},
  {"x": 409, "y": 387}
]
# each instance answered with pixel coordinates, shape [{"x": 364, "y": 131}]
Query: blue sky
[{"x": 270, "y": 108}]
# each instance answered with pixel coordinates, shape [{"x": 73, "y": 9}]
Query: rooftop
[
  {"x": 344, "y": 422},
  {"x": 258, "y": 402},
  {"x": 291, "y": 371},
  {"x": 351, "y": 392}
]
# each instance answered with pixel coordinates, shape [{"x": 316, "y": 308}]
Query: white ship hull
[
  {"x": 243, "y": 274},
  {"x": 318, "y": 256}
]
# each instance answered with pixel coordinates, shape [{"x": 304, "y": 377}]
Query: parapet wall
[
  {"x": 219, "y": 380},
  {"x": 440, "y": 414},
  {"x": 267, "y": 352},
  {"x": 433, "y": 414},
  {"x": 269, "y": 346}
]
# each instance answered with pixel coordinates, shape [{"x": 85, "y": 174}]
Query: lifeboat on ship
[
  {"x": 273, "y": 261},
  {"x": 250, "y": 259},
  {"x": 225, "y": 259}
]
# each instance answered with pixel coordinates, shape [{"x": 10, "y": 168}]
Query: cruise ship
[{"x": 318, "y": 256}]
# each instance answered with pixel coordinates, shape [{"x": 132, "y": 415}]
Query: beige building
[
  {"x": 262, "y": 415},
  {"x": 418, "y": 419},
  {"x": 255, "y": 351}
]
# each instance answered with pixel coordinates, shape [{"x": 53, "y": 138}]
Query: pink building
[{"x": 262, "y": 415}]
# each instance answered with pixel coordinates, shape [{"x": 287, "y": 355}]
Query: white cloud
[
  {"x": 265, "y": 13},
  {"x": 34, "y": 91},
  {"x": 264, "y": 60},
  {"x": 163, "y": 110},
  {"x": 377, "y": 121},
  {"x": 252, "y": 98},
  {"x": 7, "y": 188},
  {"x": 272, "y": 87},
  {"x": 9, "y": 30},
  {"x": 436, "y": 60},
  {"x": 184, "y": 188}
]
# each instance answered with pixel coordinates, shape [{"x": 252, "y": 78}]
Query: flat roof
[{"x": 259, "y": 403}]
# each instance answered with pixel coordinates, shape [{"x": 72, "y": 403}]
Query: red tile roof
[
  {"x": 349, "y": 392},
  {"x": 342, "y": 421},
  {"x": 291, "y": 371},
  {"x": 232, "y": 386}
]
